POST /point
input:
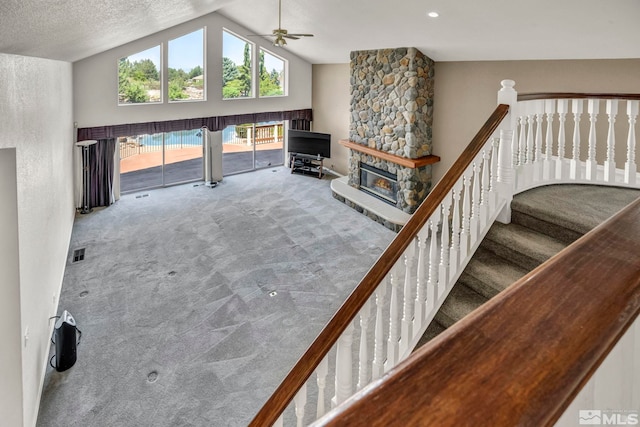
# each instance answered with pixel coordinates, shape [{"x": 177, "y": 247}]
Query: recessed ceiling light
[{"x": 433, "y": 14}]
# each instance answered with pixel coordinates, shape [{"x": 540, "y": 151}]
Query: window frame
[
  {"x": 159, "y": 67},
  {"x": 253, "y": 62},
  {"x": 204, "y": 67},
  {"x": 285, "y": 74}
]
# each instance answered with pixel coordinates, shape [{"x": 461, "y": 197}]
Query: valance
[{"x": 213, "y": 123}]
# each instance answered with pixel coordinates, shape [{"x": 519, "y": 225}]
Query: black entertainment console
[{"x": 306, "y": 164}]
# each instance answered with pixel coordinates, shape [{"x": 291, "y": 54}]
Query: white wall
[
  {"x": 331, "y": 104},
  {"x": 466, "y": 94},
  {"x": 10, "y": 355},
  {"x": 96, "y": 81},
  {"x": 36, "y": 120}
]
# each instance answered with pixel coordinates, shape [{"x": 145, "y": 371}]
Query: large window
[
  {"x": 139, "y": 77},
  {"x": 272, "y": 77},
  {"x": 186, "y": 67},
  {"x": 236, "y": 67}
]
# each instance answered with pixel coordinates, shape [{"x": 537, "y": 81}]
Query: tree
[
  {"x": 229, "y": 71},
  {"x": 263, "y": 69},
  {"x": 232, "y": 89},
  {"x": 136, "y": 93},
  {"x": 176, "y": 90},
  {"x": 195, "y": 72},
  {"x": 177, "y": 74},
  {"x": 146, "y": 70},
  {"x": 245, "y": 72}
]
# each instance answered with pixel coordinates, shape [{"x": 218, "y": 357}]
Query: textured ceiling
[{"x": 466, "y": 29}]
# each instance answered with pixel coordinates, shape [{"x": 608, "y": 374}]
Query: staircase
[{"x": 544, "y": 221}]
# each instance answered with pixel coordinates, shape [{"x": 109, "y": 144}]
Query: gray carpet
[{"x": 194, "y": 302}]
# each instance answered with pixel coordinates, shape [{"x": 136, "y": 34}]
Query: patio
[{"x": 140, "y": 171}]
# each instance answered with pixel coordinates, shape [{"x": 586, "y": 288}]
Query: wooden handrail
[
  {"x": 575, "y": 95},
  {"x": 316, "y": 352},
  {"x": 521, "y": 358}
]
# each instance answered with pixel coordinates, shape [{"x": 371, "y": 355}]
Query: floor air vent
[
  {"x": 141, "y": 196},
  {"x": 78, "y": 255}
]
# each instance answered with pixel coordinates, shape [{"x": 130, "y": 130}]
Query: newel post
[{"x": 506, "y": 182}]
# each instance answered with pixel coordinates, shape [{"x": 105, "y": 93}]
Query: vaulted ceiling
[{"x": 466, "y": 30}]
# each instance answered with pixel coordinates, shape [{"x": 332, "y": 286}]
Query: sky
[{"x": 187, "y": 52}]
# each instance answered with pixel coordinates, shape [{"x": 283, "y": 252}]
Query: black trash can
[{"x": 66, "y": 337}]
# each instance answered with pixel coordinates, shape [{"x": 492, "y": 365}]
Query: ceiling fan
[{"x": 280, "y": 33}]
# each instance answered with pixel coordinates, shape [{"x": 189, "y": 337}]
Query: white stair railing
[
  {"x": 529, "y": 149},
  {"x": 595, "y": 159}
]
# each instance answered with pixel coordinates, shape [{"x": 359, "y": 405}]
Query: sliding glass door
[
  {"x": 252, "y": 146},
  {"x": 162, "y": 159}
]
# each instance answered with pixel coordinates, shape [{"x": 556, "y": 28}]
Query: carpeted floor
[{"x": 195, "y": 302}]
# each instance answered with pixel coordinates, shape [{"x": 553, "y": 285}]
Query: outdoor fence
[{"x": 240, "y": 135}]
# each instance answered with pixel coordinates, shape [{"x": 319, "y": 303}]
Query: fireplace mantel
[{"x": 403, "y": 161}]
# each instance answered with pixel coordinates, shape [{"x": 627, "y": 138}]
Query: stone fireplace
[{"x": 390, "y": 129}]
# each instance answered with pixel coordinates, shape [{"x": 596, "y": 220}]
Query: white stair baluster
[
  {"x": 493, "y": 190},
  {"x": 610, "y": 162},
  {"x": 407, "y": 299},
  {"x": 344, "y": 367},
  {"x": 530, "y": 129},
  {"x": 363, "y": 356},
  {"x": 514, "y": 146},
  {"x": 321, "y": 371},
  {"x": 392, "y": 343},
  {"x": 300, "y": 402},
  {"x": 378, "y": 344},
  {"x": 484, "y": 189},
  {"x": 630, "y": 169},
  {"x": 432, "y": 283},
  {"x": 443, "y": 275},
  {"x": 421, "y": 279},
  {"x": 454, "y": 254},
  {"x": 549, "y": 164},
  {"x": 576, "y": 109},
  {"x": 561, "y": 168},
  {"x": 474, "y": 223},
  {"x": 537, "y": 161},
  {"x": 522, "y": 139},
  {"x": 466, "y": 216},
  {"x": 593, "y": 107}
]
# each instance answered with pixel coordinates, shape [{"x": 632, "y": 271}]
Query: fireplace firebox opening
[{"x": 379, "y": 183}]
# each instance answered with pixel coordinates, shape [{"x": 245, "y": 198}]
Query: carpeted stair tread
[
  {"x": 578, "y": 208},
  {"x": 488, "y": 274},
  {"x": 433, "y": 330},
  {"x": 461, "y": 301},
  {"x": 521, "y": 245}
]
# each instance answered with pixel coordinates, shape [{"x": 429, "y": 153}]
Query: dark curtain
[
  {"x": 300, "y": 124},
  {"x": 101, "y": 169},
  {"x": 301, "y": 117}
]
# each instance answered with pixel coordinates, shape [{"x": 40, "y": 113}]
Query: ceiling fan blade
[{"x": 280, "y": 33}]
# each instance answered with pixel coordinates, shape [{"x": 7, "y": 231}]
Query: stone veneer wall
[{"x": 392, "y": 101}]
